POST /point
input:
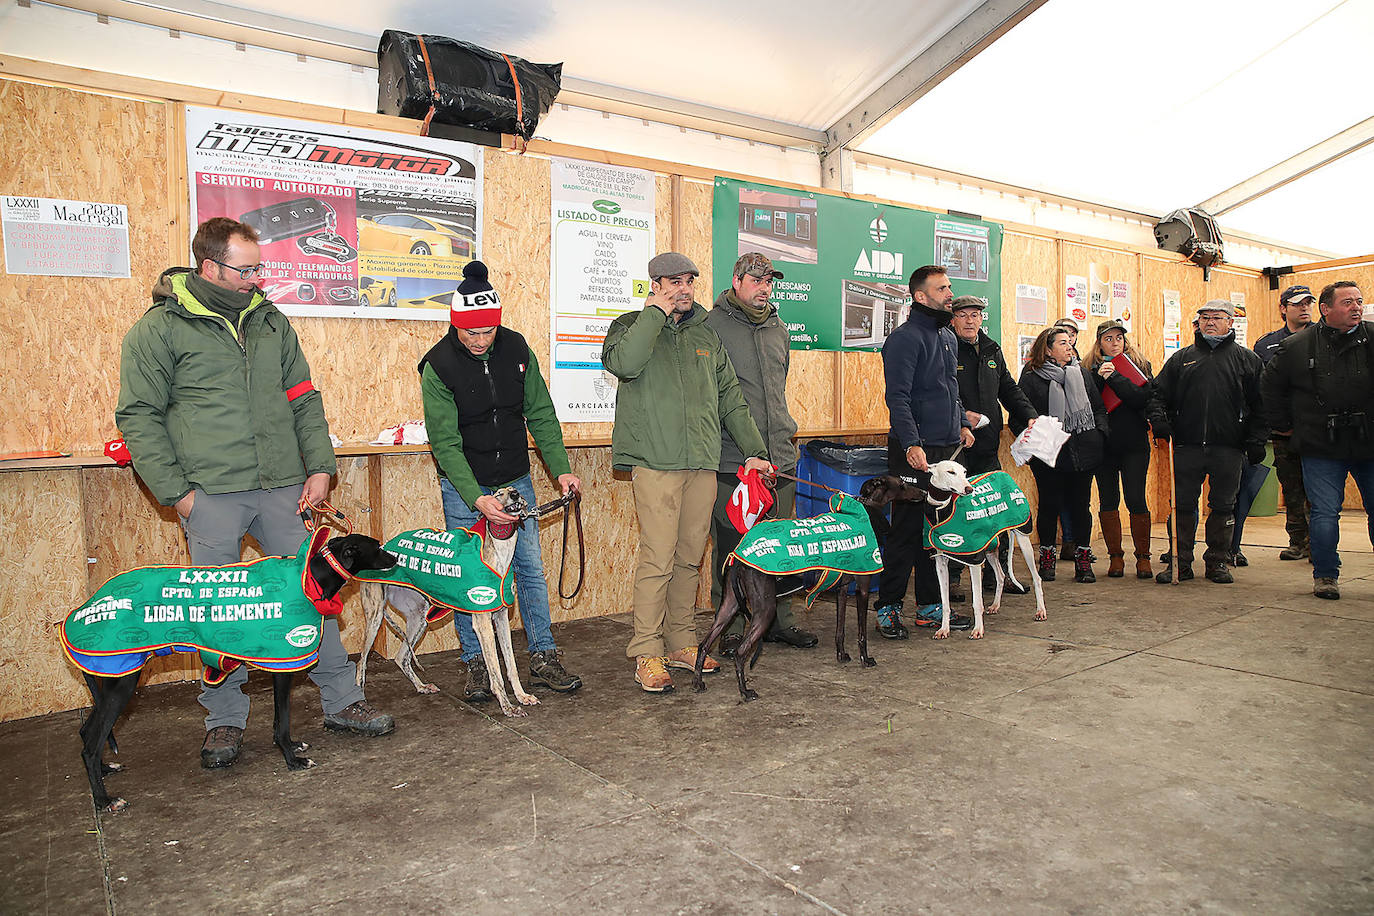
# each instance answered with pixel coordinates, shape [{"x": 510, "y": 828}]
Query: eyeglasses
[{"x": 245, "y": 273}]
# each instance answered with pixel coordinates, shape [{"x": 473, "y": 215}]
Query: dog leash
[
  {"x": 314, "y": 516},
  {"x": 572, "y": 500}
]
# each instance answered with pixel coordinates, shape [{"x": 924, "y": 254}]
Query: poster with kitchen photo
[{"x": 351, "y": 223}]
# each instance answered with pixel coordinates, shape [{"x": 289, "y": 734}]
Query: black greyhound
[
  {"x": 109, "y": 695},
  {"x": 755, "y": 594}
]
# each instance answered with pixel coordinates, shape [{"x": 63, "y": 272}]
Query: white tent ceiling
[{"x": 1146, "y": 107}]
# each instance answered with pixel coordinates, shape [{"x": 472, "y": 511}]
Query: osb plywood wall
[{"x": 64, "y": 335}]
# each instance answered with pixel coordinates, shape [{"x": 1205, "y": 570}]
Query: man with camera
[{"x": 1319, "y": 389}]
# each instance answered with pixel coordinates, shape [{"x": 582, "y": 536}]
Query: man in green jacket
[
  {"x": 677, "y": 390},
  {"x": 760, "y": 350},
  {"x": 223, "y": 423},
  {"x": 482, "y": 389}
]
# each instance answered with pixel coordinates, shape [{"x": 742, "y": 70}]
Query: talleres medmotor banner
[
  {"x": 846, "y": 263},
  {"x": 352, "y": 223}
]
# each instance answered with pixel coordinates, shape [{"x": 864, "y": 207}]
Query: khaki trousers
[{"x": 674, "y": 510}]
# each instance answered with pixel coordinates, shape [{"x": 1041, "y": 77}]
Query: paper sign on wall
[
  {"x": 1099, "y": 290},
  {"x": 1076, "y": 300},
  {"x": 1173, "y": 309},
  {"x": 1032, "y": 304},
  {"x": 1121, "y": 302},
  {"x": 65, "y": 238}
]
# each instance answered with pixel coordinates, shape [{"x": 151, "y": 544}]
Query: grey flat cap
[
  {"x": 671, "y": 264},
  {"x": 1218, "y": 305}
]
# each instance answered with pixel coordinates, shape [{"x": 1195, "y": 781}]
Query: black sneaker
[
  {"x": 1165, "y": 575},
  {"x": 478, "y": 687},
  {"x": 890, "y": 622},
  {"x": 221, "y": 747},
  {"x": 795, "y": 637},
  {"x": 930, "y": 616},
  {"x": 729, "y": 644},
  {"x": 547, "y": 671},
  {"x": 1220, "y": 574},
  {"x": 1238, "y": 559}
]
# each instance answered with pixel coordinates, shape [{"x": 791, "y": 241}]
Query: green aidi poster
[{"x": 846, "y": 263}]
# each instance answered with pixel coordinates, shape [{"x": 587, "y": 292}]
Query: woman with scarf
[
  {"x": 1122, "y": 374},
  {"x": 1058, "y": 386}
]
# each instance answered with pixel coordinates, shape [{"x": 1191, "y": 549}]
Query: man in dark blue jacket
[
  {"x": 1295, "y": 306},
  {"x": 927, "y": 423}
]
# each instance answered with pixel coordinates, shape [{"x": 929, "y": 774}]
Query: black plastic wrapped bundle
[{"x": 430, "y": 77}]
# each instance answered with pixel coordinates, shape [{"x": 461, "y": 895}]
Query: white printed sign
[{"x": 65, "y": 238}]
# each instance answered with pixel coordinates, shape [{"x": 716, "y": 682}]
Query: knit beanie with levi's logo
[{"x": 475, "y": 304}]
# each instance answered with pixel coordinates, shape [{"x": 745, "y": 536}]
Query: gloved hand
[
  {"x": 1254, "y": 454},
  {"x": 1161, "y": 431}
]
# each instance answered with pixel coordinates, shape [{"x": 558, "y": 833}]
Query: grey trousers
[{"x": 214, "y": 532}]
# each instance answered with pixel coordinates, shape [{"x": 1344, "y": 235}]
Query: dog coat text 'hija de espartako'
[
  {"x": 838, "y": 543},
  {"x": 446, "y": 567},
  {"x": 977, "y": 519},
  {"x": 262, "y": 612}
]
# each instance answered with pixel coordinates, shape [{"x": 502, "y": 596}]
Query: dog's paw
[
  {"x": 993, "y": 609},
  {"x": 870, "y": 662},
  {"x": 528, "y": 699},
  {"x": 698, "y": 685},
  {"x": 427, "y": 688},
  {"x": 515, "y": 712},
  {"x": 748, "y": 694},
  {"x": 115, "y": 806},
  {"x": 1041, "y": 615},
  {"x": 942, "y": 633},
  {"x": 107, "y": 769},
  {"x": 842, "y": 656},
  {"x": 300, "y": 763},
  {"x": 299, "y": 746},
  {"x": 976, "y": 633}
]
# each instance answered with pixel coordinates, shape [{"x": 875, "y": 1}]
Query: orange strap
[
  {"x": 433, "y": 90},
  {"x": 520, "y": 141}
]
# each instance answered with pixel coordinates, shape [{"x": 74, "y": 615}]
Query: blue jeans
[
  {"x": 1324, "y": 480},
  {"x": 531, "y": 591}
]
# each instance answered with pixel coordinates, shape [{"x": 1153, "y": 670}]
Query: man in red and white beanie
[{"x": 482, "y": 389}]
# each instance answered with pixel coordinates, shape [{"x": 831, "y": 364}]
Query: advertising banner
[
  {"x": 603, "y": 238},
  {"x": 353, "y": 223},
  {"x": 846, "y": 263},
  {"x": 65, "y": 238}
]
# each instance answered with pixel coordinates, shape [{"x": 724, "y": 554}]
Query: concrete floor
[{"x": 1148, "y": 749}]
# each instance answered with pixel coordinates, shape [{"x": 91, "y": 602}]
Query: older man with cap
[
  {"x": 1295, "y": 307},
  {"x": 1320, "y": 391},
  {"x": 759, "y": 346},
  {"x": 482, "y": 390},
  {"x": 677, "y": 391},
  {"x": 1207, "y": 399}
]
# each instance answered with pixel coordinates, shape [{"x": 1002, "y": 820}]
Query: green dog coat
[
  {"x": 447, "y": 568},
  {"x": 995, "y": 505},
  {"x": 834, "y": 544}
]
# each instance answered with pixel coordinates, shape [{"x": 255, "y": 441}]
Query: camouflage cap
[
  {"x": 671, "y": 264},
  {"x": 756, "y": 265}
]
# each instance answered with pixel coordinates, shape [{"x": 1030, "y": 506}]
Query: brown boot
[
  {"x": 1140, "y": 535},
  {"x": 1111, "y": 533}
]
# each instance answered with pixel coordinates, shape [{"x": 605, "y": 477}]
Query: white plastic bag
[
  {"x": 411, "y": 432},
  {"x": 1043, "y": 441}
]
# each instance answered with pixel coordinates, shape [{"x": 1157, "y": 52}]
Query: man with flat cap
[
  {"x": 677, "y": 391},
  {"x": 1207, "y": 399},
  {"x": 759, "y": 346}
]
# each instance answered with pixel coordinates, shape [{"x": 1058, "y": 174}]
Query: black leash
[{"x": 573, "y": 500}]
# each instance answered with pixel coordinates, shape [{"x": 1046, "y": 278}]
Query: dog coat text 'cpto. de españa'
[
  {"x": 838, "y": 543},
  {"x": 256, "y": 612},
  {"x": 446, "y": 567},
  {"x": 995, "y": 505}
]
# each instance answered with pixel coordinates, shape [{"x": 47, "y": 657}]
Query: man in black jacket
[
  {"x": 1295, "y": 307},
  {"x": 1319, "y": 389},
  {"x": 927, "y": 424},
  {"x": 985, "y": 387},
  {"x": 1208, "y": 400}
]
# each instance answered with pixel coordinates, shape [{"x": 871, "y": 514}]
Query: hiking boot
[
  {"x": 1185, "y": 572},
  {"x": 1322, "y": 588},
  {"x": 478, "y": 687},
  {"x": 1047, "y": 563},
  {"x": 1083, "y": 566},
  {"x": 687, "y": 660},
  {"x": 1066, "y": 552},
  {"x": 222, "y": 743},
  {"x": 932, "y": 615},
  {"x": 652, "y": 675},
  {"x": 1295, "y": 552},
  {"x": 729, "y": 644},
  {"x": 795, "y": 637},
  {"x": 547, "y": 671},
  {"x": 890, "y": 622},
  {"x": 1219, "y": 574},
  {"x": 1238, "y": 559},
  {"x": 361, "y": 719}
]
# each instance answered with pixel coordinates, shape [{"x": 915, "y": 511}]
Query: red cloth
[
  {"x": 1131, "y": 371},
  {"x": 749, "y": 502},
  {"x": 118, "y": 452}
]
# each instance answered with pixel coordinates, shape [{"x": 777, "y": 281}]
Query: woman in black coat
[
  {"x": 1058, "y": 387},
  {"x": 1118, "y": 367}
]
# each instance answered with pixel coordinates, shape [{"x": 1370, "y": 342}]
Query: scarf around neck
[
  {"x": 758, "y": 314},
  {"x": 222, "y": 302},
  {"x": 1068, "y": 397}
]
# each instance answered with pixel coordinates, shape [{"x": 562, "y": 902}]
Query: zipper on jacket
[
  {"x": 767, "y": 411},
  {"x": 495, "y": 420}
]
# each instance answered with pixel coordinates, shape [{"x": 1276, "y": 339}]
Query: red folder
[{"x": 1130, "y": 370}]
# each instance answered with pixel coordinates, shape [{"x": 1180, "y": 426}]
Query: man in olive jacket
[
  {"x": 760, "y": 350},
  {"x": 223, "y": 423},
  {"x": 677, "y": 390}
]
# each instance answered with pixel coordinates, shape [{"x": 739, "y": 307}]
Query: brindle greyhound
[
  {"x": 939, "y": 485},
  {"x": 498, "y": 548},
  {"x": 755, "y": 594},
  {"x": 109, "y": 695}
]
